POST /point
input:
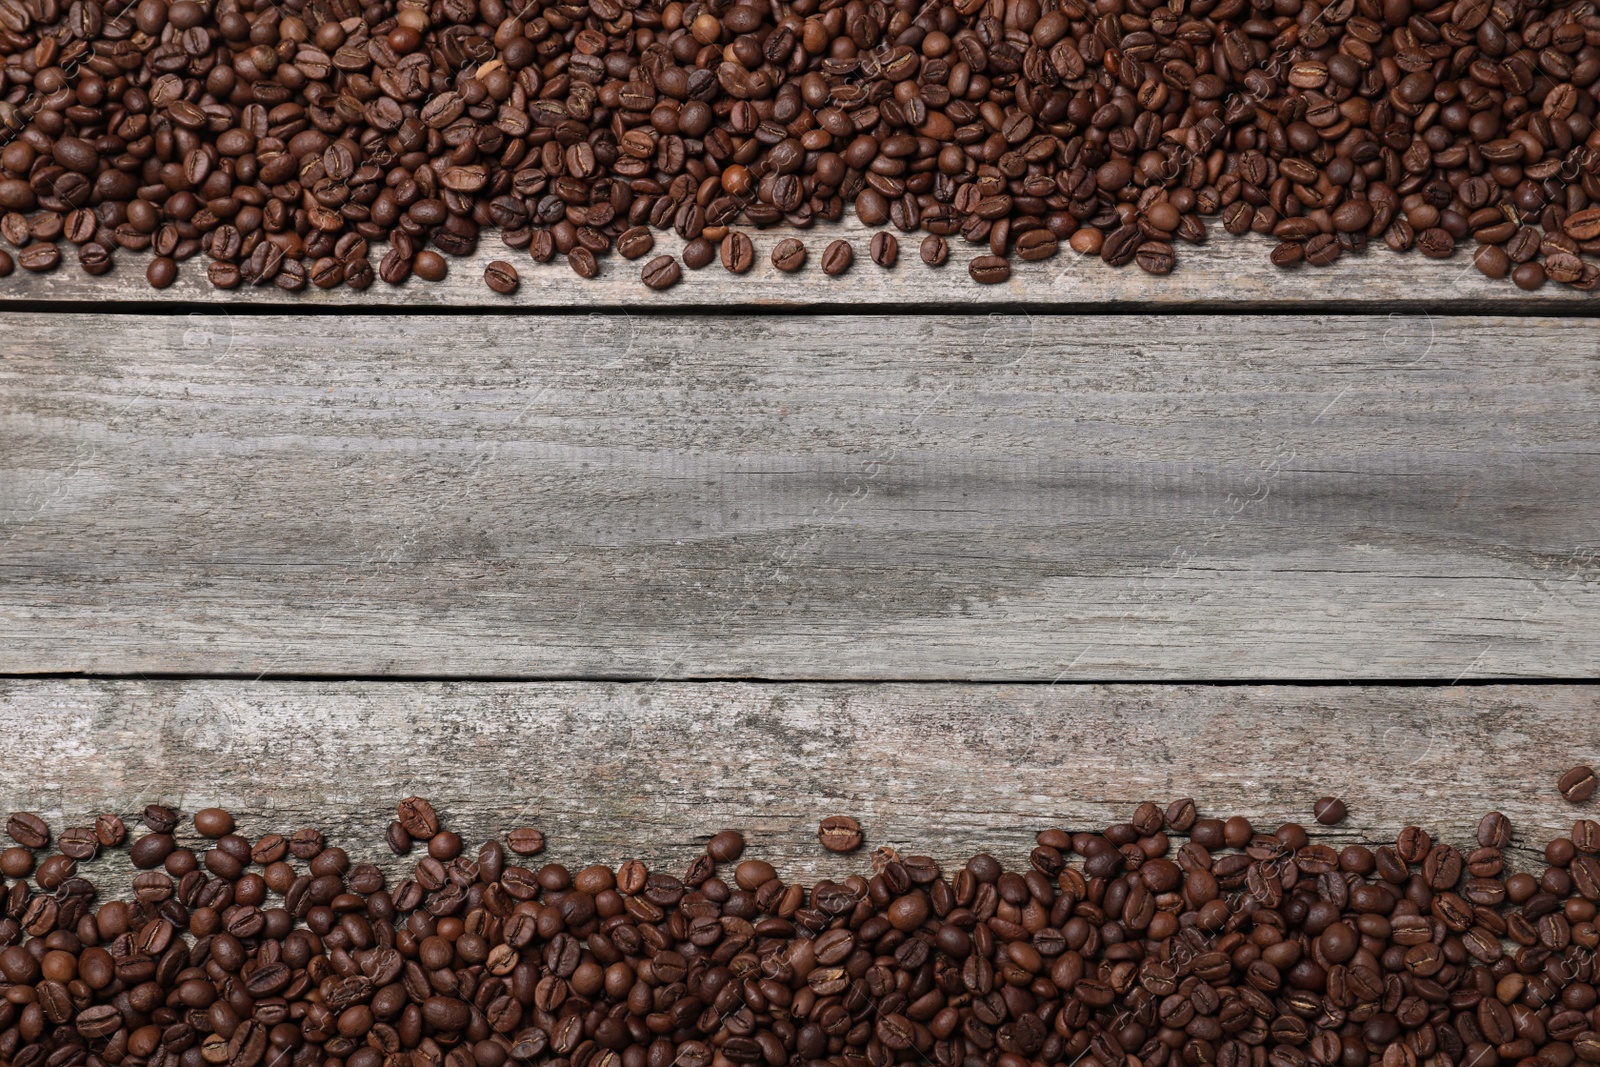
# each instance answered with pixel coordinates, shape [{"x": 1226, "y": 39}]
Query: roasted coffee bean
[
  {"x": 525, "y": 841},
  {"x": 738, "y": 252},
  {"x": 161, "y": 272},
  {"x": 1121, "y": 245},
  {"x": 28, "y": 830},
  {"x": 989, "y": 270},
  {"x": 1329, "y": 811},
  {"x": 789, "y": 255},
  {"x": 885, "y": 249},
  {"x": 662, "y": 272},
  {"x": 698, "y": 253},
  {"x": 839, "y": 833},
  {"x": 110, "y": 830},
  {"x": 726, "y": 846},
  {"x": 1036, "y": 245},
  {"x": 635, "y": 242},
  {"x": 935, "y": 250},
  {"x": 501, "y": 277},
  {"x": 1155, "y": 257},
  {"x": 222, "y": 274},
  {"x": 79, "y": 843},
  {"x": 837, "y": 257},
  {"x": 1577, "y": 785},
  {"x": 429, "y": 265},
  {"x": 39, "y": 258}
]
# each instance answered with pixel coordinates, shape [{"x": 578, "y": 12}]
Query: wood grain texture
[
  {"x": 610, "y": 771},
  {"x": 1230, "y": 274},
  {"x": 810, "y": 498}
]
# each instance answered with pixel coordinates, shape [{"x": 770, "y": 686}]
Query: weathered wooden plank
[
  {"x": 1229, "y": 274},
  {"x": 988, "y": 498},
  {"x": 612, "y": 771}
]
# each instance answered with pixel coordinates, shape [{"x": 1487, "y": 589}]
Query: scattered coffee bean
[
  {"x": 1329, "y": 811},
  {"x": 79, "y": 843},
  {"x": 110, "y": 831},
  {"x": 1036, "y": 245},
  {"x": 28, "y": 830},
  {"x": 39, "y": 258},
  {"x": 161, "y": 272},
  {"x": 837, "y": 257},
  {"x": 726, "y": 846},
  {"x": 223, "y": 275},
  {"x": 213, "y": 822},
  {"x": 662, "y": 272},
  {"x": 429, "y": 265},
  {"x": 699, "y": 253},
  {"x": 1577, "y": 785},
  {"x": 738, "y": 252},
  {"x": 839, "y": 833},
  {"x": 989, "y": 270},
  {"x": 525, "y": 841},
  {"x": 635, "y": 242},
  {"x": 580, "y": 259},
  {"x": 885, "y": 249},
  {"x": 935, "y": 250},
  {"x": 501, "y": 277},
  {"x": 789, "y": 255},
  {"x": 1155, "y": 257}
]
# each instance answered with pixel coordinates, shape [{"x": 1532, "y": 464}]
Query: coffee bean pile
[
  {"x": 1121, "y": 948},
  {"x": 282, "y": 138}
]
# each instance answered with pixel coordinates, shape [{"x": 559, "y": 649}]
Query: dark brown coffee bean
[
  {"x": 1121, "y": 245},
  {"x": 839, "y": 833},
  {"x": 1155, "y": 257},
  {"x": 935, "y": 250},
  {"x": 394, "y": 268},
  {"x": 885, "y": 249},
  {"x": 989, "y": 270},
  {"x": 635, "y": 242},
  {"x": 110, "y": 831},
  {"x": 698, "y": 253},
  {"x": 837, "y": 257},
  {"x": 1578, "y": 784},
  {"x": 525, "y": 842},
  {"x": 501, "y": 277},
  {"x": 1288, "y": 254},
  {"x": 738, "y": 252},
  {"x": 789, "y": 255},
  {"x": 1036, "y": 245},
  {"x": 418, "y": 818},
  {"x": 28, "y": 830},
  {"x": 79, "y": 843},
  {"x": 161, "y": 272},
  {"x": 1329, "y": 811},
  {"x": 39, "y": 258},
  {"x": 662, "y": 272},
  {"x": 725, "y": 846},
  {"x": 429, "y": 265}
]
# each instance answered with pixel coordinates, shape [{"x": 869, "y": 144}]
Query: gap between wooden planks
[
  {"x": 813, "y": 497},
  {"x": 1226, "y": 274},
  {"x": 610, "y": 772}
]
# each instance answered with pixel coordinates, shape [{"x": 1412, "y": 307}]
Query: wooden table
[{"x": 965, "y": 562}]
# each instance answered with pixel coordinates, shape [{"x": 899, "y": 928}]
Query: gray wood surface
[
  {"x": 1226, "y": 273},
  {"x": 610, "y": 772},
  {"x": 825, "y": 498}
]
